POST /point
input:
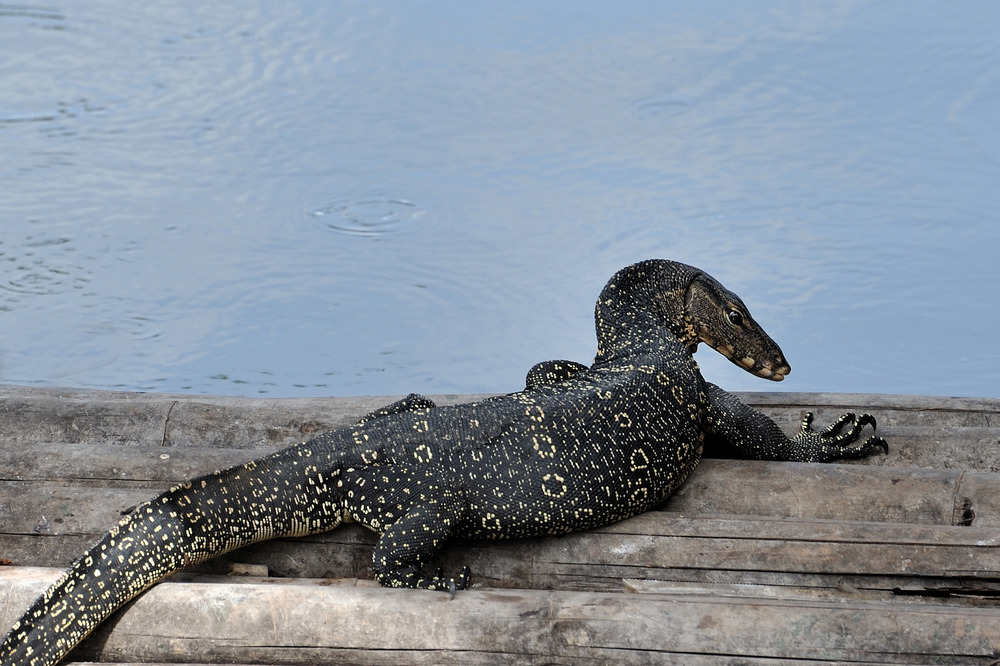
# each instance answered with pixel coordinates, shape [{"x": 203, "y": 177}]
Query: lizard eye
[{"x": 735, "y": 317}]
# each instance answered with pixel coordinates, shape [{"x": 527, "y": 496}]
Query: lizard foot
[
  {"x": 834, "y": 441},
  {"x": 445, "y": 584},
  {"x": 415, "y": 578}
]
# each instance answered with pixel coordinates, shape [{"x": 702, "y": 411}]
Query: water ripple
[
  {"x": 49, "y": 17},
  {"x": 370, "y": 215},
  {"x": 662, "y": 106},
  {"x": 41, "y": 266}
]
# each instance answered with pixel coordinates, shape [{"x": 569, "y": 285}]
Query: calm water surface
[{"x": 339, "y": 198}]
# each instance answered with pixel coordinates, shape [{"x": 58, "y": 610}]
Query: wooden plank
[
  {"x": 660, "y": 544},
  {"x": 977, "y": 499},
  {"x": 461, "y": 658},
  {"x": 56, "y": 415},
  {"x": 836, "y": 491},
  {"x": 825, "y": 564},
  {"x": 32, "y": 414},
  {"x": 43, "y": 482},
  {"x": 48, "y": 519},
  {"x": 932, "y": 409},
  {"x": 110, "y": 466},
  {"x": 315, "y": 622},
  {"x": 944, "y": 433},
  {"x": 923, "y": 431},
  {"x": 847, "y": 492}
]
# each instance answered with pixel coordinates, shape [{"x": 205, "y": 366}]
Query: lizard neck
[{"x": 642, "y": 309}]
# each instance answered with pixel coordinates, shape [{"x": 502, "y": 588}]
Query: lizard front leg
[{"x": 736, "y": 430}]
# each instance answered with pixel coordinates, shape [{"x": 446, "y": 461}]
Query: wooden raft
[{"x": 893, "y": 560}]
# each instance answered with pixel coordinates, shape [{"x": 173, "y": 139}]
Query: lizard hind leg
[{"x": 404, "y": 550}]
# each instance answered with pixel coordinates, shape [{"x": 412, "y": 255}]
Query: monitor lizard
[{"x": 579, "y": 447}]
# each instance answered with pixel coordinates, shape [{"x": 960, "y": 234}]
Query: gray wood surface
[{"x": 895, "y": 559}]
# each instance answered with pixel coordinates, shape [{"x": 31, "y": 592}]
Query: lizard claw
[
  {"x": 449, "y": 585},
  {"x": 460, "y": 583},
  {"x": 867, "y": 419},
  {"x": 834, "y": 441}
]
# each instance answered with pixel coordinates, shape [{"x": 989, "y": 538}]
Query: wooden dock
[{"x": 892, "y": 560}]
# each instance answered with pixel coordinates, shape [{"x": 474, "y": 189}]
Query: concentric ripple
[
  {"x": 371, "y": 215},
  {"x": 40, "y": 267}
]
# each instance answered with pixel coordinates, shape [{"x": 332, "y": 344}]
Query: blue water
[{"x": 343, "y": 198}]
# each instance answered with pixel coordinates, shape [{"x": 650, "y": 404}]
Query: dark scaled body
[{"x": 579, "y": 447}]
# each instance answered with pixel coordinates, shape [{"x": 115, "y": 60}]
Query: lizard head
[
  {"x": 716, "y": 316},
  {"x": 692, "y": 306}
]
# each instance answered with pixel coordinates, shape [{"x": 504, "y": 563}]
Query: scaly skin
[{"x": 578, "y": 448}]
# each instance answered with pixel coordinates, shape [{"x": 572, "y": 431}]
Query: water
[{"x": 322, "y": 198}]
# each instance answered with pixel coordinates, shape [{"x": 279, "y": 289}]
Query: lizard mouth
[
  {"x": 775, "y": 373},
  {"x": 778, "y": 375},
  {"x": 773, "y": 370}
]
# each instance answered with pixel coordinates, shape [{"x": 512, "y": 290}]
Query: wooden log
[
  {"x": 662, "y": 544},
  {"x": 31, "y": 414},
  {"x": 819, "y": 555},
  {"x": 852, "y": 561},
  {"x": 686, "y": 660},
  {"x": 313, "y": 622},
  {"x": 48, "y": 518},
  {"x": 29, "y": 473},
  {"x": 837, "y": 492},
  {"x": 944, "y": 433}
]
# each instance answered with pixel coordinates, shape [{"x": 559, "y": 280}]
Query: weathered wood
[
  {"x": 260, "y": 622},
  {"x": 64, "y": 497},
  {"x": 659, "y": 544},
  {"x": 838, "y": 491},
  {"x": 660, "y": 658},
  {"x": 886, "y": 561},
  {"x": 923, "y": 431},
  {"x": 456, "y": 657},
  {"x": 31, "y": 414},
  {"x": 29, "y": 471},
  {"x": 945, "y": 433}
]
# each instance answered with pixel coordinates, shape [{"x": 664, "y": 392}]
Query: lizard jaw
[
  {"x": 773, "y": 371},
  {"x": 775, "y": 375}
]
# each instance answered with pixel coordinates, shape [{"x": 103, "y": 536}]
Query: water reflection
[{"x": 335, "y": 197}]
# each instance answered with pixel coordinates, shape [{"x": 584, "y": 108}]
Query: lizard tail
[
  {"x": 142, "y": 550},
  {"x": 188, "y": 524}
]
